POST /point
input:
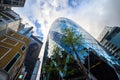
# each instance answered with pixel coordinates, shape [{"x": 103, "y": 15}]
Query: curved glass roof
[{"x": 56, "y": 33}]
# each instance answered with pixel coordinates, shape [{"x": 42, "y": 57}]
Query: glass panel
[
  {"x": 23, "y": 48},
  {"x": 4, "y": 17},
  {"x": 8, "y": 14},
  {"x": 7, "y": 68},
  {"x": 7, "y": 1}
]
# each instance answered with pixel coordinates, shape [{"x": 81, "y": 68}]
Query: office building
[
  {"x": 31, "y": 59},
  {"x": 97, "y": 63},
  {"x": 9, "y": 19},
  {"x": 110, "y": 40},
  {"x": 21, "y": 27},
  {"x": 11, "y": 3},
  {"x": 13, "y": 49}
]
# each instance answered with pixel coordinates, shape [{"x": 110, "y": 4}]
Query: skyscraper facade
[
  {"x": 101, "y": 65},
  {"x": 31, "y": 59},
  {"x": 9, "y": 19},
  {"x": 12, "y": 3},
  {"x": 18, "y": 59},
  {"x": 13, "y": 48},
  {"x": 110, "y": 40}
]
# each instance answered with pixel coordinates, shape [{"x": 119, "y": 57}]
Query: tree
[
  {"x": 52, "y": 68},
  {"x": 61, "y": 66},
  {"x": 73, "y": 41}
]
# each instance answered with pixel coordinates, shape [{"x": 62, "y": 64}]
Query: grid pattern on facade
[
  {"x": 12, "y": 62},
  {"x": 4, "y": 16},
  {"x": 14, "y": 3},
  {"x": 109, "y": 39},
  {"x": 10, "y": 41},
  {"x": 17, "y": 36},
  {"x": 8, "y": 14},
  {"x": 11, "y": 45},
  {"x": 3, "y": 50}
]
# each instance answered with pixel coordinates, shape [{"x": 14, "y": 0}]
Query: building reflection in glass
[{"x": 101, "y": 65}]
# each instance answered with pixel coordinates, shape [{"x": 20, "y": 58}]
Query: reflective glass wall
[{"x": 88, "y": 42}]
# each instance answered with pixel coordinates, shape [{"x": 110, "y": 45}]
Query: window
[
  {"x": 15, "y": 3},
  {"x": 0, "y": 20},
  {"x": 9, "y": 15},
  {"x": 10, "y": 41},
  {"x": 7, "y": 68},
  {"x": 4, "y": 17},
  {"x": 23, "y": 48},
  {"x": 3, "y": 51},
  {"x": 20, "y": 76},
  {"x": 114, "y": 47},
  {"x": 7, "y": 1}
]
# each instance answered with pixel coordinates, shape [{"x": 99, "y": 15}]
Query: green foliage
[
  {"x": 71, "y": 37},
  {"x": 55, "y": 52},
  {"x": 73, "y": 41},
  {"x": 61, "y": 61},
  {"x": 63, "y": 65}
]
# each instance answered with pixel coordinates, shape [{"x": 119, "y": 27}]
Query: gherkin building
[{"x": 73, "y": 54}]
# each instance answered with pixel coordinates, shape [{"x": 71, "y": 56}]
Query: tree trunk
[{"x": 81, "y": 64}]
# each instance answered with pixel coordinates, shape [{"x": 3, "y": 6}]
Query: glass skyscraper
[{"x": 101, "y": 65}]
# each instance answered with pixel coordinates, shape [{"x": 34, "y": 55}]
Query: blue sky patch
[
  {"x": 37, "y": 25},
  {"x": 74, "y": 3}
]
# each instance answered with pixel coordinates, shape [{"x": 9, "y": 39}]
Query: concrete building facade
[
  {"x": 31, "y": 59},
  {"x": 13, "y": 49},
  {"x": 110, "y": 40},
  {"x": 9, "y": 19}
]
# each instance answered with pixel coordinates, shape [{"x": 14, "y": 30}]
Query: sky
[{"x": 92, "y": 15}]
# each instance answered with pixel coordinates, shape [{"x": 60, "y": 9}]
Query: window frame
[
  {"x": 12, "y": 63},
  {"x": 22, "y": 48}
]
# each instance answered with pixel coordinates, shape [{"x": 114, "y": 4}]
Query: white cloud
[{"x": 92, "y": 15}]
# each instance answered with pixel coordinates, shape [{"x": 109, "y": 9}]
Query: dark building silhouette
[
  {"x": 99, "y": 67},
  {"x": 32, "y": 57}
]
